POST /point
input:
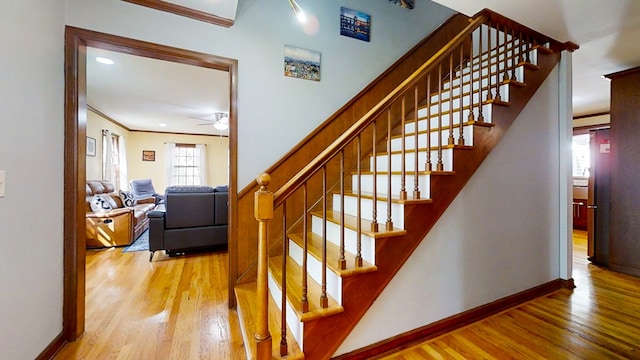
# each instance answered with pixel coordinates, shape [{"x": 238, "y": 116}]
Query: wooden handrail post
[{"x": 263, "y": 212}]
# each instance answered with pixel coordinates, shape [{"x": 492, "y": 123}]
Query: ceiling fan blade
[{"x": 202, "y": 119}]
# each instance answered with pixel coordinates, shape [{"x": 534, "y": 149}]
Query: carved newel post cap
[{"x": 263, "y": 180}]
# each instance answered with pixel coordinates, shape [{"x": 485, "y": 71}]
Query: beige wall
[
  {"x": 217, "y": 150},
  {"x": 95, "y": 125},
  {"x": 592, "y": 120}
]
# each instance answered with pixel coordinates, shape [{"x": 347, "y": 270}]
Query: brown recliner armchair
[{"x": 192, "y": 217}]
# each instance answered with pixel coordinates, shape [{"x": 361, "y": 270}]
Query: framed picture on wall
[
  {"x": 91, "y": 146},
  {"x": 301, "y": 63},
  {"x": 148, "y": 155},
  {"x": 355, "y": 24}
]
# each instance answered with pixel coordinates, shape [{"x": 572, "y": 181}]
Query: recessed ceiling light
[
  {"x": 162, "y": 125},
  {"x": 104, "y": 60}
]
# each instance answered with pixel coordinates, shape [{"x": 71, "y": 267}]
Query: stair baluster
[
  {"x": 283, "y": 304},
  {"x": 359, "y": 202},
  {"x": 374, "y": 205},
  {"x": 505, "y": 75},
  {"x": 305, "y": 249},
  {"x": 471, "y": 116},
  {"x": 461, "y": 96},
  {"x": 513, "y": 55},
  {"x": 416, "y": 184},
  {"x": 428, "y": 166},
  {"x": 451, "y": 139},
  {"x": 480, "y": 75},
  {"x": 389, "y": 223},
  {"x": 324, "y": 300},
  {"x": 497, "y": 97},
  {"x": 489, "y": 63},
  {"x": 342, "y": 261},
  {"x": 439, "y": 165},
  {"x": 403, "y": 157}
]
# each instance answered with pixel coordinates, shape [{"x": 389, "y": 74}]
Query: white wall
[
  {"x": 275, "y": 112},
  {"x": 31, "y": 152},
  {"x": 500, "y": 235}
]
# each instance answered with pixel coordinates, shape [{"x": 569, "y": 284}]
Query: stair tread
[
  {"x": 420, "y": 149},
  {"x": 395, "y": 198},
  {"x": 350, "y": 222},
  {"x": 294, "y": 291},
  {"x": 246, "y": 296},
  {"x": 314, "y": 247}
]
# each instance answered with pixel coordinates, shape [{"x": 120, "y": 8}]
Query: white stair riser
[
  {"x": 396, "y": 161},
  {"x": 350, "y": 239},
  {"x": 293, "y": 323},
  {"x": 444, "y": 95},
  {"x": 366, "y": 209},
  {"x": 410, "y": 140},
  {"x": 383, "y": 181},
  {"x": 314, "y": 269},
  {"x": 422, "y": 122}
]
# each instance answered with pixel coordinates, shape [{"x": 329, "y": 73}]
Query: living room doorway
[{"x": 77, "y": 42}]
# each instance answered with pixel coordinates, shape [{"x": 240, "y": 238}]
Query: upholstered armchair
[{"x": 143, "y": 189}]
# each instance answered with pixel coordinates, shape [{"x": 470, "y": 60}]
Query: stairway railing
[{"x": 470, "y": 72}]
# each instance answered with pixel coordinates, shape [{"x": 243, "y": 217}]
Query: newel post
[{"x": 263, "y": 211}]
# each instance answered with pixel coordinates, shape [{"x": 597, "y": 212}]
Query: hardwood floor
[
  {"x": 600, "y": 319},
  {"x": 172, "y": 308},
  {"x": 176, "y": 308}
]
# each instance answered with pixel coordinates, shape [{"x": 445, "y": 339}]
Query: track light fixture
[{"x": 298, "y": 11}]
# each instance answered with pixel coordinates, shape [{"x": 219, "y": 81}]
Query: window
[
  {"x": 188, "y": 165},
  {"x": 581, "y": 155},
  {"x": 114, "y": 164}
]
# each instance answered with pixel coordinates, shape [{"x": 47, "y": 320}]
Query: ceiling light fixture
[
  {"x": 222, "y": 121},
  {"x": 104, "y": 60},
  {"x": 298, "y": 11}
]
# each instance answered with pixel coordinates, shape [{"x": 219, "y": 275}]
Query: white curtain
[
  {"x": 169, "y": 164},
  {"x": 107, "y": 156},
  {"x": 202, "y": 167},
  {"x": 122, "y": 160}
]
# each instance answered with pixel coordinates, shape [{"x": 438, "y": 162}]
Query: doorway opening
[{"x": 76, "y": 43}]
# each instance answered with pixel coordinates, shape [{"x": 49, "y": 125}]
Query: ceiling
[{"x": 142, "y": 93}]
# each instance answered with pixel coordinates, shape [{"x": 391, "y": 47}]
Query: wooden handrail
[{"x": 332, "y": 150}]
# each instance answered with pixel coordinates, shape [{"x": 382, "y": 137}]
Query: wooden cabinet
[{"x": 580, "y": 214}]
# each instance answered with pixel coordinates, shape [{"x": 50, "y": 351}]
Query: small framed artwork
[
  {"x": 91, "y": 146},
  {"x": 301, "y": 63},
  {"x": 355, "y": 24},
  {"x": 148, "y": 155},
  {"x": 408, "y": 4}
]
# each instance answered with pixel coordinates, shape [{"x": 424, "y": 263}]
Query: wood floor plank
[
  {"x": 176, "y": 308},
  {"x": 600, "y": 319}
]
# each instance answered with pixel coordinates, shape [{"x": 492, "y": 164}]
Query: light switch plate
[{"x": 2, "y": 181}]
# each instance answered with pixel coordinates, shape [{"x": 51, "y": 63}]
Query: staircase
[{"x": 349, "y": 219}]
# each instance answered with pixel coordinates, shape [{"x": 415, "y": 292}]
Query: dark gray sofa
[{"x": 192, "y": 217}]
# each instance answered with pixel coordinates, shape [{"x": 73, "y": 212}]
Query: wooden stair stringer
[{"x": 324, "y": 336}]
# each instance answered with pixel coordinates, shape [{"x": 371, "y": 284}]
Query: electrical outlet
[{"x": 2, "y": 181}]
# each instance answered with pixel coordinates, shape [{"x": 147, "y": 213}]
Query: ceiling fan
[{"x": 221, "y": 121}]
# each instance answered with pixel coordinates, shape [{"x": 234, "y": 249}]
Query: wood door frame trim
[{"x": 76, "y": 42}]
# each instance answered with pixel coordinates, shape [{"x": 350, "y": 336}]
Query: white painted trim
[{"x": 565, "y": 132}]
